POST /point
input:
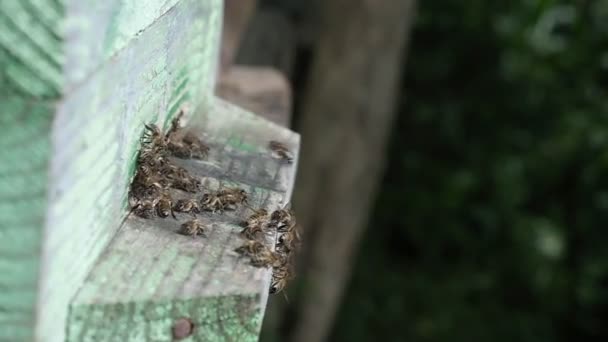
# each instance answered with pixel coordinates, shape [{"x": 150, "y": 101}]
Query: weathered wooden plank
[
  {"x": 98, "y": 29},
  {"x": 95, "y": 136},
  {"x": 23, "y": 172},
  {"x": 149, "y": 276}
]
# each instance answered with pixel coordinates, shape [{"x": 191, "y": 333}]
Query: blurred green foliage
[{"x": 490, "y": 222}]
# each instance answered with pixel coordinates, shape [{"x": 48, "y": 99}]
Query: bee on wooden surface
[
  {"x": 137, "y": 191},
  {"x": 179, "y": 150},
  {"x": 254, "y": 225},
  {"x": 189, "y": 184},
  {"x": 193, "y": 228},
  {"x": 253, "y": 232},
  {"x": 280, "y": 278},
  {"x": 189, "y": 205},
  {"x": 153, "y": 136},
  {"x": 152, "y": 157},
  {"x": 148, "y": 186},
  {"x": 143, "y": 209},
  {"x": 212, "y": 202},
  {"x": 259, "y": 217},
  {"x": 250, "y": 247},
  {"x": 266, "y": 258},
  {"x": 164, "y": 206},
  {"x": 145, "y": 171},
  {"x": 174, "y": 172},
  {"x": 151, "y": 180},
  {"x": 281, "y": 151},
  {"x": 232, "y": 196},
  {"x": 226, "y": 199},
  {"x": 259, "y": 254},
  {"x": 289, "y": 240},
  {"x": 282, "y": 219}
]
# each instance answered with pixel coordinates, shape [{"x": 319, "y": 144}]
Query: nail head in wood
[{"x": 182, "y": 328}]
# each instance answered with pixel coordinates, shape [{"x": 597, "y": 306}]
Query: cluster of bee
[
  {"x": 256, "y": 228},
  {"x": 261, "y": 223},
  {"x": 225, "y": 199},
  {"x": 149, "y": 195}
]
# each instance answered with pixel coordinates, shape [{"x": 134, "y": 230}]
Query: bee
[
  {"x": 164, "y": 206},
  {"x": 138, "y": 192},
  {"x": 259, "y": 217},
  {"x": 233, "y": 196},
  {"x": 254, "y": 225},
  {"x": 179, "y": 150},
  {"x": 153, "y": 137},
  {"x": 188, "y": 184},
  {"x": 187, "y": 206},
  {"x": 253, "y": 232},
  {"x": 251, "y": 247},
  {"x": 148, "y": 186},
  {"x": 144, "y": 170},
  {"x": 193, "y": 228},
  {"x": 152, "y": 157},
  {"x": 280, "y": 278},
  {"x": 290, "y": 240},
  {"x": 266, "y": 258},
  {"x": 151, "y": 180},
  {"x": 226, "y": 199},
  {"x": 212, "y": 202},
  {"x": 281, "y": 151},
  {"x": 143, "y": 209},
  {"x": 260, "y": 255},
  {"x": 175, "y": 172},
  {"x": 282, "y": 219}
]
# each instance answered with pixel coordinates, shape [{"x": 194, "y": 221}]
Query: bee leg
[{"x": 173, "y": 213}]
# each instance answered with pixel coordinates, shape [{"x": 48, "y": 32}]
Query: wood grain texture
[
  {"x": 97, "y": 30},
  {"x": 50, "y": 46},
  {"x": 95, "y": 137},
  {"x": 24, "y": 150},
  {"x": 30, "y": 48},
  {"x": 151, "y": 276}
]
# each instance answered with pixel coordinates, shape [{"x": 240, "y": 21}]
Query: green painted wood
[
  {"x": 39, "y": 37},
  {"x": 78, "y": 79},
  {"x": 25, "y": 152},
  {"x": 150, "y": 276}
]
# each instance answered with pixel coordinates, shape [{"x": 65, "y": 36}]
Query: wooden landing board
[{"x": 150, "y": 276}]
